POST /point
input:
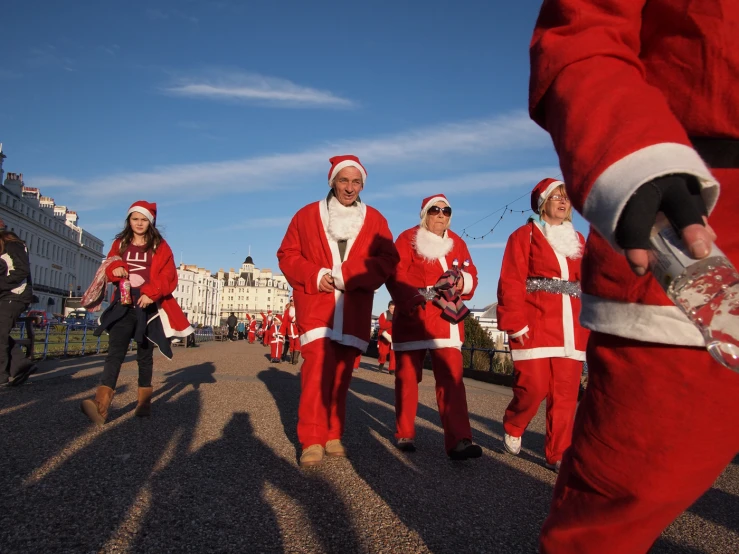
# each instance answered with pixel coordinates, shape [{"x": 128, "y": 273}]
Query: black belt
[{"x": 718, "y": 153}]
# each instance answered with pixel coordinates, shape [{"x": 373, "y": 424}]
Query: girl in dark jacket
[{"x": 141, "y": 258}]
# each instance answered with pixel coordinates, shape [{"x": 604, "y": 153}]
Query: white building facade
[
  {"x": 252, "y": 291},
  {"x": 64, "y": 257},
  {"x": 199, "y": 294},
  {"x": 488, "y": 319}
]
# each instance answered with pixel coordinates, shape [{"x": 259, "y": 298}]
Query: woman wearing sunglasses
[
  {"x": 539, "y": 308},
  {"x": 435, "y": 275}
]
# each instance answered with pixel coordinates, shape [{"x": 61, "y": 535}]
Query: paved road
[{"x": 215, "y": 469}]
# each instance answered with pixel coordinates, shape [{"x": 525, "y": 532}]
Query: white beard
[
  {"x": 431, "y": 246},
  {"x": 344, "y": 222},
  {"x": 563, "y": 238}
]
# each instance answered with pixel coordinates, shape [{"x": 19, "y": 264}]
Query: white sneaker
[{"x": 512, "y": 444}]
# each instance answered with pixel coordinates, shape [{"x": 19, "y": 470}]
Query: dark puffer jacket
[{"x": 15, "y": 272}]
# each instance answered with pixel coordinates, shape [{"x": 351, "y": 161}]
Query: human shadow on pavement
[
  {"x": 534, "y": 441},
  {"x": 480, "y": 505},
  {"x": 80, "y": 486},
  {"x": 445, "y": 505},
  {"x": 285, "y": 389},
  {"x": 235, "y": 494}
]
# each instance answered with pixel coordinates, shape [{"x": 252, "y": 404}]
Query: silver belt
[
  {"x": 554, "y": 286},
  {"x": 429, "y": 293}
]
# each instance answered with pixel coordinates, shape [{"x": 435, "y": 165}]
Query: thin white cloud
[
  {"x": 254, "y": 88},
  {"x": 469, "y": 183},
  {"x": 491, "y": 140}
]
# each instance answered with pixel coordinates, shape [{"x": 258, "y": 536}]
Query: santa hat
[
  {"x": 340, "y": 162},
  {"x": 148, "y": 209},
  {"x": 542, "y": 191},
  {"x": 430, "y": 201}
]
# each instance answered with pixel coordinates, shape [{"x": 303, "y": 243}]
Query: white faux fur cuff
[{"x": 613, "y": 188}]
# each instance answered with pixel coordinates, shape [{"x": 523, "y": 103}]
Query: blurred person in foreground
[
  {"x": 16, "y": 295},
  {"x": 539, "y": 307},
  {"x": 433, "y": 279},
  {"x": 336, "y": 253},
  {"x": 640, "y": 99}
]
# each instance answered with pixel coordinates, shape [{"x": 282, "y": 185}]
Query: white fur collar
[
  {"x": 564, "y": 239},
  {"x": 344, "y": 222},
  {"x": 431, "y": 246}
]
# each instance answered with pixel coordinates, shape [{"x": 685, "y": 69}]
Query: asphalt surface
[{"x": 215, "y": 469}]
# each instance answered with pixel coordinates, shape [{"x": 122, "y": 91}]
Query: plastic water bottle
[{"x": 706, "y": 290}]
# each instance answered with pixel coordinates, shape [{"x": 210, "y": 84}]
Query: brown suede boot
[
  {"x": 97, "y": 409},
  {"x": 143, "y": 408},
  {"x": 296, "y": 358}
]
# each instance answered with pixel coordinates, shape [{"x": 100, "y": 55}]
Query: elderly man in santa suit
[
  {"x": 640, "y": 99},
  {"x": 539, "y": 307},
  {"x": 335, "y": 254}
]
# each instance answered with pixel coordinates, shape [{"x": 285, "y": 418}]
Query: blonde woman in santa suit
[
  {"x": 539, "y": 308},
  {"x": 426, "y": 252}
]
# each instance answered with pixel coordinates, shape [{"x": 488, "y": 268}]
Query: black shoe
[
  {"x": 406, "y": 445},
  {"x": 465, "y": 449},
  {"x": 21, "y": 377}
]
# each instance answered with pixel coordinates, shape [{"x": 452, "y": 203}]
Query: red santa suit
[
  {"x": 626, "y": 89},
  {"x": 276, "y": 339},
  {"x": 335, "y": 326},
  {"x": 418, "y": 326},
  {"x": 538, "y": 297},
  {"x": 252, "y": 330},
  {"x": 292, "y": 337},
  {"x": 385, "y": 340}
]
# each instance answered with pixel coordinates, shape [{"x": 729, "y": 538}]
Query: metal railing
[{"x": 57, "y": 340}]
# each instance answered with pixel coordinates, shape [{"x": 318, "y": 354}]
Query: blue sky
[{"x": 225, "y": 113}]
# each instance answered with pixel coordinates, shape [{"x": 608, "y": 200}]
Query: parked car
[
  {"x": 81, "y": 320},
  {"x": 41, "y": 318}
]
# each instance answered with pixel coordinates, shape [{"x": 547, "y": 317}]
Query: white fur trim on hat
[
  {"x": 554, "y": 185},
  {"x": 142, "y": 211},
  {"x": 343, "y": 164},
  {"x": 431, "y": 202}
]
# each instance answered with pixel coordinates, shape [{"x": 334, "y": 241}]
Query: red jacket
[
  {"x": 417, "y": 324},
  {"x": 550, "y": 319},
  {"x": 307, "y": 252},
  {"x": 620, "y": 86},
  {"x": 162, "y": 282}
]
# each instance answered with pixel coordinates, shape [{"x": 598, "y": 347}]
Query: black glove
[{"x": 677, "y": 196}]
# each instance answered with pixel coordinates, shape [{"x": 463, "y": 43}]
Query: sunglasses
[{"x": 434, "y": 210}]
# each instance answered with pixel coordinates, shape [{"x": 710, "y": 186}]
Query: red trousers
[
  {"x": 324, "y": 380},
  {"x": 557, "y": 380},
  {"x": 451, "y": 397},
  {"x": 294, "y": 344},
  {"x": 654, "y": 431},
  {"x": 251, "y": 336},
  {"x": 357, "y": 360},
  {"x": 384, "y": 349}
]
